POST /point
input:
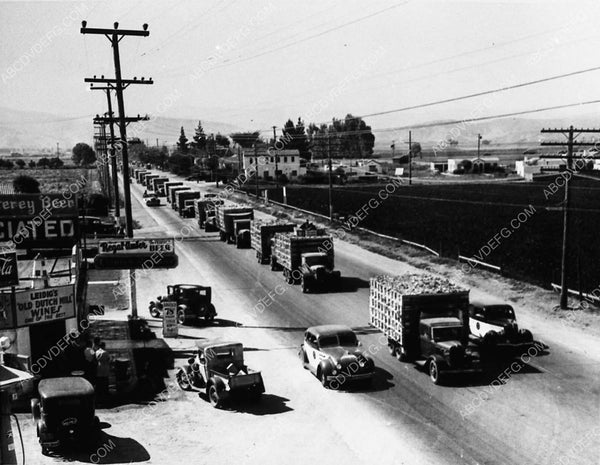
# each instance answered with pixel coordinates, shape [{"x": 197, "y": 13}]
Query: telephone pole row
[{"x": 570, "y": 143}]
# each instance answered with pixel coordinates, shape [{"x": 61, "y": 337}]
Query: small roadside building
[{"x": 288, "y": 162}]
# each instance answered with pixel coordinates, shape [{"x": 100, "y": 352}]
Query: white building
[{"x": 288, "y": 162}]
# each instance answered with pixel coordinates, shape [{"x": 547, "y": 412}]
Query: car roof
[
  {"x": 192, "y": 286},
  {"x": 441, "y": 321},
  {"x": 204, "y": 345},
  {"x": 65, "y": 387},
  {"x": 329, "y": 330}
]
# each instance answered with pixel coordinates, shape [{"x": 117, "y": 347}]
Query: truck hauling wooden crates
[
  {"x": 306, "y": 256},
  {"x": 261, "y": 237},
  {"x": 181, "y": 197},
  {"x": 233, "y": 223},
  {"x": 205, "y": 209},
  {"x": 424, "y": 318}
]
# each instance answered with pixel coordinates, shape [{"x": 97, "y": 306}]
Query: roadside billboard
[
  {"x": 35, "y": 306},
  {"x": 38, "y": 220},
  {"x": 169, "y": 314},
  {"x": 126, "y": 254}
]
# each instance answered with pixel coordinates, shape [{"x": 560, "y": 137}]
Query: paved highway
[{"x": 541, "y": 412}]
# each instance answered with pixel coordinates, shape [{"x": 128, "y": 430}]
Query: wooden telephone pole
[
  {"x": 118, "y": 84},
  {"x": 112, "y": 151},
  {"x": 570, "y": 143}
]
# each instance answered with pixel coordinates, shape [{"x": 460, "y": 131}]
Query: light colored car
[{"x": 334, "y": 355}]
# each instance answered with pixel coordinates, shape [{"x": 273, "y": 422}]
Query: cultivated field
[
  {"x": 464, "y": 219},
  {"x": 55, "y": 180}
]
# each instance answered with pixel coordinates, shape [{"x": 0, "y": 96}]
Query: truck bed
[
  {"x": 261, "y": 235},
  {"x": 288, "y": 248}
]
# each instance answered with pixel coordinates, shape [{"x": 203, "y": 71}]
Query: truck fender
[
  {"x": 441, "y": 361},
  {"x": 221, "y": 385}
]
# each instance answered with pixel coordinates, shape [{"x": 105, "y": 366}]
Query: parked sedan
[
  {"x": 334, "y": 355},
  {"x": 153, "y": 202}
]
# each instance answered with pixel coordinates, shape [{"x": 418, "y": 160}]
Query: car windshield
[
  {"x": 341, "y": 339},
  {"x": 499, "y": 312},
  {"x": 447, "y": 333}
]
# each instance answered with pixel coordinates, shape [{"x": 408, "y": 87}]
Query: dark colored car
[
  {"x": 153, "y": 202},
  {"x": 333, "y": 354},
  {"x": 91, "y": 225},
  {"x": 65, "y": 413},
  {"x": 193, "y": 302}
]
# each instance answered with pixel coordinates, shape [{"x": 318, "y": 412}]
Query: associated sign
[
  {"x": 31, "y": 220},
  {"x": 9, "y": 271},
  {"x": 170, "y": 327},
  {"x": 42, "y": 305}
]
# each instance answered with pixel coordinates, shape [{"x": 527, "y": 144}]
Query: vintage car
[
  {"x": 193, "y": 302},
  {"x": 153, "y": 201},
  {"x": 495, "y": 325},
  {"x": 219, "y": 368},
  {"x": 65, "y": 413},
  {"x": 333, "y": 354}
]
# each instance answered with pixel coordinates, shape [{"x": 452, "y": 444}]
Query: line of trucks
[
  {"x": 304, "y": 253},
  {"x": 426, "y": 319}
]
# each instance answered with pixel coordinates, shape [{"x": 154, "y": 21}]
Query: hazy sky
[{"x": 256, "y": 63}]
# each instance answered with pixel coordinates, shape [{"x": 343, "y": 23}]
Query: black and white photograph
[{"x": 277, "y": 232}]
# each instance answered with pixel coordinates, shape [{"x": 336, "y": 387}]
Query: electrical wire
[{"x": 310, "y": 37}]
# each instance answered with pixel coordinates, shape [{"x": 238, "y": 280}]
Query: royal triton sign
[
  {"x": 137, "y": 246},
  {"x": 127, "y": 254}
]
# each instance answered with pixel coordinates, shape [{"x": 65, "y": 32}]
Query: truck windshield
[
  {"x": 447, "y": 333},
  {"x": 315, "y": 260},
  {"x": 499, "y": 312}
]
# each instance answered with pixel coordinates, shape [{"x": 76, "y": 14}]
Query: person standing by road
[
  {"x": 90, "y": 362},
  {"x": 103, "y": 360}
]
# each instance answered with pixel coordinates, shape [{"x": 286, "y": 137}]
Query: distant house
[
  {"x": 288, "y": 162},
  {"x": 371, "y": 166}
]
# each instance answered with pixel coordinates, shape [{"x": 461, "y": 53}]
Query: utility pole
[
  {"x": 119, "y": 84},
  {"x": 276, "y": 155},
  {"x": 478, "y": 145},
  {"x": 393, "y": 148},
  {"x": 570, "y": 134},
  {"x": 330, "y": 183},
  {"x": 114, "y": 36},
  {"x": 256, "y": 167},
  {"x": 409, "y": 158}
]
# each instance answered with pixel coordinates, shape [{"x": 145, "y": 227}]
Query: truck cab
[
  {"x": 443, "y": 350},
  {"x": 318, "y": 269}
]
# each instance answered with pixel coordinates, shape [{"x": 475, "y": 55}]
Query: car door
[{"x": 310, "y": 347}]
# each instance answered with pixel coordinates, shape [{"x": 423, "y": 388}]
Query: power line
[{"x": 319, "y": 34}]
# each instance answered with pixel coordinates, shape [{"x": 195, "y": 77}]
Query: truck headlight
[{"x": 334, "y": 372}]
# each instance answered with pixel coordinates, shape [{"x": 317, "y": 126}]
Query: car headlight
[
  {"x": 338, "y": 366},
  {"x": 334, "y": 372}
]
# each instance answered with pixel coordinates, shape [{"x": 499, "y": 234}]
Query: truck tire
[
  {"x": 222, "y": 236},
  {"x": 154, "y": 311},
  {"x": 183, "y": 380},
  {"x": 305, "y": 288},
  {"x": 214, "y": 392},
  {"x": 434, "y": 371}
]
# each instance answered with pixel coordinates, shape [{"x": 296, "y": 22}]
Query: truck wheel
[
  {"x": 183, "y": 380},
  {"x": 392, "y": 349},
  {"x": 434, "y": 372},
  {"x": 222, "y": 236},
  {"x": 215, "y": 394},
  {"x": 304, "y": 286}
]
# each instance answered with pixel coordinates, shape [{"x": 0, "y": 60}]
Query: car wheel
[
  {"x": 181, "y": 317},
  {"x": 183, "y": 380},
  {"x": 434, "y": 372},
  {"x": 215, "y": 395},
  {"x": 323, "y": 378}
]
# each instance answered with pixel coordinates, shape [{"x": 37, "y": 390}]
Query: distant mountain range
[
  {"x": 505, "y": 132},
  {"x": 37, "y": 131}
]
